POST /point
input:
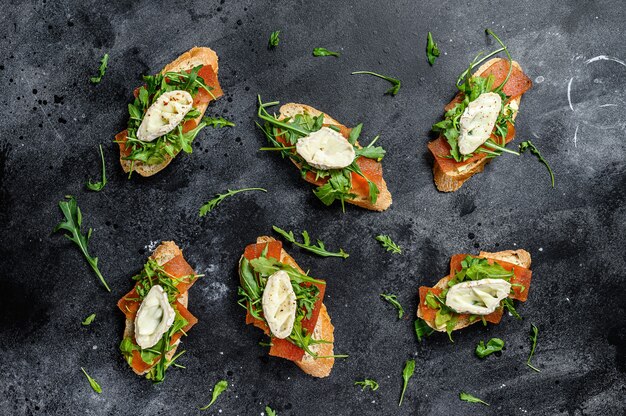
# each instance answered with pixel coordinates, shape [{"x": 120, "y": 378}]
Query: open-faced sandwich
[
  {"x": 479, "y": 121},
  {"x": 477, "y": 289},
  {"x": 287, "y": 304},
  {"x": 156, "y": 312},
  {"x": 167, "y": 112},
  {"x": 328, "y": 155}
]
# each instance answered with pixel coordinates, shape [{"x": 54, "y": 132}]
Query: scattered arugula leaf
[
  {"x": 528, "y": 145},
  {"x": 97, "y": 186},
  {"x": 422, "y": 330},
  {"x": 217, "y": 122},
  {"x": 318, "y": 249},
  {"x": 387, "y": 243},
  {"x": 432, "y": 50},
  {"x": 368, "y": 382},
  {"x": 88, "y": 320},
  {"x": 269, "y": 411},
  {"x": 394, "y": 82},
  {"x": 466, "y": 397},
  {"x": 534, "y": 331},
  {"x": 324, "y": 52},
  {"x": 217, "y": 390},
  {"x": 209, "y": 206},
  {"x": 508, "y": 304},
  {"x": 93, "y": 383},
  {"x": 274, "y": 39},
  {"x": 407, "y": 373},
  {"x": 393, "y": 299},
  {"x": 493, "y": 345},
  {"x": 72, "y": 224},
  {"x": 103, "y": 67}
]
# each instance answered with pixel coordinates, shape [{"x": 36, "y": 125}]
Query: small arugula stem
[
  {"x": 491, "y": 144},
  {"x": 373, "y": 141},
  {"x": 475, "y": 64},
  {"x": 508, "y": 55},
  {"x": 264, "y": 115},
  {"x": 277, "y": 148}
]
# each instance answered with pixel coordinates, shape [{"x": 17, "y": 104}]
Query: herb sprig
[
  {"x": 393, "y": 300},
  {"x": 318, "y": 249},
  {"x": 324, "y": 52},
  {"x": 101, "y": 70},
  {"x": 466, "y": 397},
  {"x": 92, "y": 382},
  {"x": 274, "y": 39},
  {"x": 407, "y": 373},
  {"x": 528, "y": 145},
  {"x": 219, "y": 388},
  {"x": 210, "y": 205},
  {"x": 217, "y": 122},
  {"x": 534, "y": 331},
  {"x": 97, "y": 186},
  {"x": 72, "y": 224},
  {"x": 269, "y": 411},
  {"x": 422, "y": 330},
  {"x": 394, "y": 82},
  {"x": 88, "y": 320},
  {"x": 387, "y": 243},
  {"x": 367, "y": 383},
  {"x": 493, "y": 345},
  {"x": 432, "y": 50}
]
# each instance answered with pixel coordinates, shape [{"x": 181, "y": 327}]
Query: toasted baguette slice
[
  {"x": 324, "y": 329},
  {"x": 452, "y": 180},
  {"x": 188, "y": 60},
  {"x": 384, "y": 197},
  {"x": 162, "y": 254},
  {"x": 517, "y": 257}
]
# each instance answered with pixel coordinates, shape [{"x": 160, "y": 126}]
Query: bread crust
[
  {"x": 451, "y": 181},
  {"x": 324, "y": 329},
  {"x": 517, "y": 257},
  {"x": 188, "y": 60},
  {"x": 384, "y": 199}
]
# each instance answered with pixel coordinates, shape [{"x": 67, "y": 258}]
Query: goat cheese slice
[
  {"x": 279, "y": 304},
  {"x": 164, "y": 115},
  {"x": 326, "y": 149},
  {"x": 154, "y": 317},
  {"x": 478, "y": 121},
  {"x": 477, "y": 297}
]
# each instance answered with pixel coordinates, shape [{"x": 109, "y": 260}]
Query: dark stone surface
[{"x": 54, "y": 119}]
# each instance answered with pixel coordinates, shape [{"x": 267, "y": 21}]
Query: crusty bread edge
[
  {"x": 193, "y": 57},
  {"x": 517, "y": 257},
  {"x": 324, "y": 329},
  {"x": 384, "y": 199}
]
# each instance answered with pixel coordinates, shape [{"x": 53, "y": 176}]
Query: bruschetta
[
  {"x": 287, "y": 304},
  {"x": 166, "y": 114},
  {"x": 479, "y": 121},
  {"x": 328, "y": 155},
  {"x": 156, "y": 312},
  {"x": 477, "y": 289}
]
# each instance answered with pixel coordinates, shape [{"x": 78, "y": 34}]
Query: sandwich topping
[
  {"x": 154, "y": 317},
  {"x": 164, "y": 115},
  {"x": 478, "y": 121},
  {"x": 279, "y": 304},
  {"x": 477, "y": 297},
  {"x": 326, "y": 149}
]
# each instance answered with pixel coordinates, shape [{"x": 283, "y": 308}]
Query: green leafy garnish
[
  {"x": 72, "y": 224},
  {"x": 422, "y": 330},
  {"x": 534, "y": 331},
  {"x": 217, "y": 390},
  {"x": 217, "y": 122},
  {"x": 269, "y": 411},
  {"x": 394, "y": 82},
  {"x": 93, "y": 383},
  {"x": 209, "y": 206},
  {"x": 97, "y": 186},
  {"x": 528, "y": 145},
  {"x": 273, "y": 42},
  {"x": 393, "y": 300},
  {"x": 324, "y": 52},
  {"x": 88, "y": 320},
  {"x": 466, "y": 397},
  {"x": 493, "y": 345},
  {"x": 103, "y": 67},
  {"x": 318, "y": 249},
  {"x": 373, "y": 385},
  {"x": 432, "y": 51},
  {"x": 508, "y": 304},
  {"x": 407, "y": 373},
  {"x": 387, "y": 243}
]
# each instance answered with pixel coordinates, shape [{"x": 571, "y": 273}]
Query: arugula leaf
[
  {"x": 318, "y": 249},
  {"x": 355, "y": 132},
  {"x": 337, "y": 188},
  {"x": 324, "y": 52},
  {"x": 534, "y": 331},
  {"x": 508, "y": 304},
  {"x": 422, "y": 330},
  {"x": 387, "y": 243},
  {"x": 269, "y": 411},
  {"x": 373, "y": 385},
  {"x": 217, "y": 390},
  {"x": 432, "y": 51},
  {"x": 72, "y": 224},
  {"x": 528, "y": 145},
  {"x": 209, "y": 206},
  {"x": 376, "y": 153},
  {"x": 393, "y": 300},
  {"x": 274, "y": 39},
  {"x": 97, "y": 186},
  {"x": 101, "y": 70},
  {"x": 466, "y": 397},
  {"x": 217, "y": 123},
  {"x": 493, "y": 345},
  {"x": 407, "y": 373},
  {"x": 88, "y": 320},
  {"x": 93, "y": 383},
  {"x": 394, "y": 82}
]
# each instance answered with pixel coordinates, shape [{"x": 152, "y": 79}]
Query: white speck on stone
[
  {"x": 515, "y": 244},
  {"x": 540, "y": 248},
  {"x": 95, "y": 347},
  {"x": 539, "y": 79},
  {"x": 221, "y": 352},
  {"x": 567, "y": 299},
  {"x": 151, "y": 245},
  {"x": 503, "y": 385},
  {"x": 373, "y": 401}
]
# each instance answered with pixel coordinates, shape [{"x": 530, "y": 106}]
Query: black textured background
[{"x": 53, "y": 119}]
